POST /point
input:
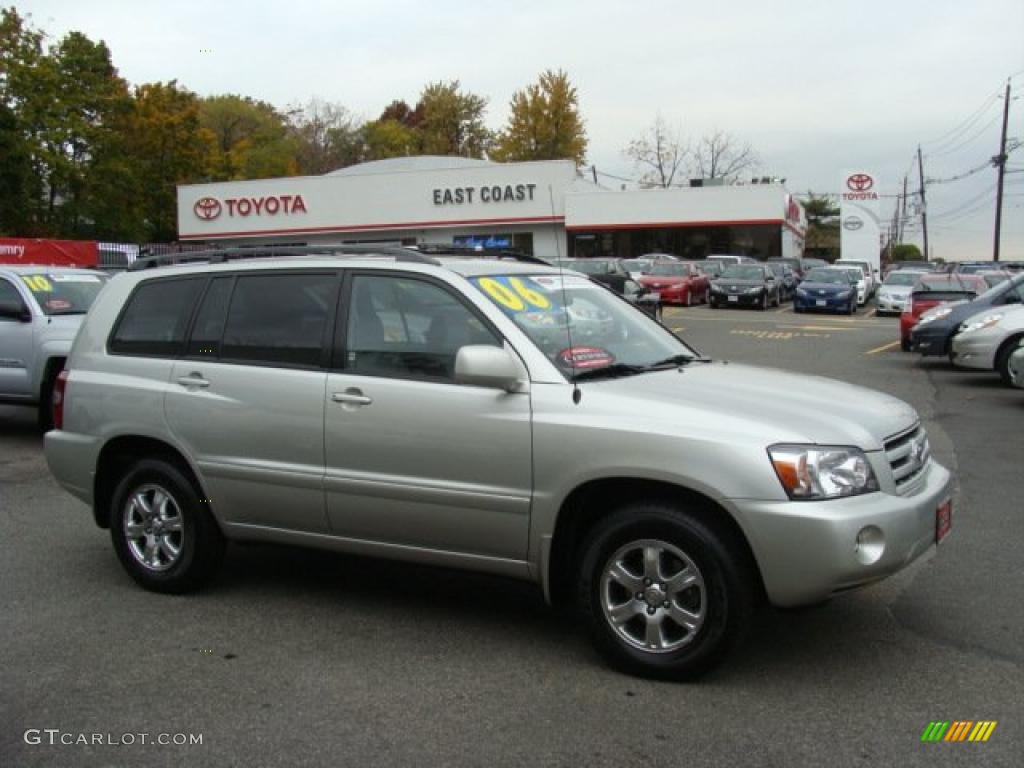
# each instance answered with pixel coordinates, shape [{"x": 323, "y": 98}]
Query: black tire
[
  {"x": 726, "y": 600},
  {"x": 712, "y": 304},
  {"x": 1002, "y": 360},
  {"x": 44, "y": 417},
  {"x": 853, "y": 307},
  {"x": 764, "y": 301},
  {"x": 707, "y": 296},
  {"x": 200, "y": 542},
  {"x": 905, "y": 345}
]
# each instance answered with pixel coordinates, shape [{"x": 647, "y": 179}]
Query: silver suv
[
  {"x": 491, "y": 414},
  {"x": 40, "y": 311}
]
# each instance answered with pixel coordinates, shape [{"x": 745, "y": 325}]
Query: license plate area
[
  {"x": 821, "y": 303},
  {"x": 943, "y": 520},
  {"x": 734, "y": 298}
]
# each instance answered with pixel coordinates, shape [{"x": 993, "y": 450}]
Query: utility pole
[
  {"x": 924, "y": 205},
  {"x": 1000, "y": 162},
  {"x": 903, "y": 214}
]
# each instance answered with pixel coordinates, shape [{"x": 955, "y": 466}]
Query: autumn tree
[
  {"x": 390, "y": 138},
  {"x": 250, "y": 139},
  {"x": 721, "y": 155},
  {"x": 660, "y": 154},
  {"x": 327, "y": 136},
  {"x": 453, "y": 121},
  {"x": 544, "y": 123}
]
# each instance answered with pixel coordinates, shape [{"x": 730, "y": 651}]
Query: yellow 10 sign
[
  {"x": 517, "y": 299},
  {"x": 38, "y": 283}
]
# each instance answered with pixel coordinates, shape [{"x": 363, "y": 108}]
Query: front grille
[{"x": 908, "y": 454}]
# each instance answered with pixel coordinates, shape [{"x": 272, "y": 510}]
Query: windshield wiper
[
  {"x": 625, "y": 369},
  {"x": 68, "y": 312}
]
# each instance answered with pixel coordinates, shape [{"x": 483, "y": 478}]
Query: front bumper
[
  {"x": 930, "y": 339},
  {"x": 976, "y": 349},
  {"x": 726, "y": 299},
  {"x": 894, "y": 304},
  {"x": 832, "y": 304},
  {"x": 808, "y": 551}
]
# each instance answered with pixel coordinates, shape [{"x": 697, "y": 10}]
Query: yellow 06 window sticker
[
  {"x": 38, "y": 283},
  {"x": 516, "y": 299}
]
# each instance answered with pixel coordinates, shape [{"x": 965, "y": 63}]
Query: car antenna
[{"x": 577, "y": 395}]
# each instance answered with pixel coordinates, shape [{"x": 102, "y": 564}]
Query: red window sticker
[
  {"x": 585, "y": 357},
  {"x": 58, "y": 304}
]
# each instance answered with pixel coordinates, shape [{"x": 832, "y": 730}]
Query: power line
[
  {"x": 959, "y": 176},
  {"x": 954, "y": 134},
  {"x": 974, "y": 137}
]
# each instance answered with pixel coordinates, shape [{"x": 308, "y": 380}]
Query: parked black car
[
  {"x": 786, "y": 278},
  {"x": 752, "y": 285},
  {"x": 610, "y": 272},
  {"x": 933, "y": 336}
]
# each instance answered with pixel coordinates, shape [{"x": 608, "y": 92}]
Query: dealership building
[{"x": 545, "y": 208}]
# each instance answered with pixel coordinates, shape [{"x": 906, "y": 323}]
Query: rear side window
[
  {"x": 278, "y": 319},
  {"x": 209, "y": 325},
  {"x": 156, "y": 318}
]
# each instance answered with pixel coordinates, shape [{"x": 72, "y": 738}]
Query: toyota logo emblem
[
  {"x": 860, "y": 182},
  {"x": 207, "y": 208},
  {"x": 852, "y": 223}
]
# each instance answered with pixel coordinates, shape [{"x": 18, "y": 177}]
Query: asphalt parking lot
[{"x": 300, "y": 658}]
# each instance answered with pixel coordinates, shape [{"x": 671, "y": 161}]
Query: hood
[
  {"x": 724, "y": 282},
  {"x": 769, "y": 405},
  {"x": 825, "y": 288},
  {"x": 896, "y": 290}
]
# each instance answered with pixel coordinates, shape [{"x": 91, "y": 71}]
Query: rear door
[
  {"x": 413, "y": 458},
  {"x": 247, "y": 399}
]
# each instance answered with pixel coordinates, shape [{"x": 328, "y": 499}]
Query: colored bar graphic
[{"x": 958, "y": 730}]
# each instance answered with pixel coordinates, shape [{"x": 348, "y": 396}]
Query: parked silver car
[
  {"x": 986, "y": 340},
  {"x": 1017, "y": 366},
  {"x": 894, "y": 292},
  {"x": 494, "y": 415},
  {"x": 40, "y": 311}
]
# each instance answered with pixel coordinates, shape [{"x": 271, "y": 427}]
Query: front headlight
[
  {"x": 986, "y": 322},
  {"x": 802, "y": 292},
  {"x": 716, "y": 288},
  {"x": 811, "y": 472},
  {"x": 939, "y": 314},
  {"x": 754, "y": 290},
  {"x": 843, "y": 295}
]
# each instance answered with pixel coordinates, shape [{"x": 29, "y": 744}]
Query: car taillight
[{"x": 60, "y": 388}]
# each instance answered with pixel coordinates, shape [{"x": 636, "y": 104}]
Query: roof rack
[
  {"x": 419, "y": 254},
  {"x": 221, "y": 255}
]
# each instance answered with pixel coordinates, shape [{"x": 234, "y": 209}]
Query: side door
[
  {"x": 17, "y": 346},
  {"x": 247, "y": 397},
  {"x": 413, "y": 458}
]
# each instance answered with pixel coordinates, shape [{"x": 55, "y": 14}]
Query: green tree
[
  {"x": 906, "y": 252},
  {"x": 820, "y": 209},
  {"x": 16, "y": 178},
  {"x": 822, "y": 238},
  {"x": 544, "y": 123},
  {"x": 328, "y": 137},
  {"x": 453, "y": 121},
  {"x": 251, "y": 139},
  {"x": 390, "y": 138}
]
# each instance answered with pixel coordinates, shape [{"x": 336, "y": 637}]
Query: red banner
[{"x": 51, "y": 253}]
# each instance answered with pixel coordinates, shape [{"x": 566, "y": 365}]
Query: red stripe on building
[{"x": 379, "y": 227}]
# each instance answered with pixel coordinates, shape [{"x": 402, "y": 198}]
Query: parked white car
[
  {"x": 41, "y": 309},
  {"x": 987, "y": 340},
  {"x": 870, "y": 274}
]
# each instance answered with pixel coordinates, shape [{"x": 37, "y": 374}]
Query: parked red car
[
  {"x": 934, "y": 289},
  {"x": 678, "y": 282}
]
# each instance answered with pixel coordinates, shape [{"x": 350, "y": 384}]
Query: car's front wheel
[
  {"x": 664, "y": 595},
  {"x": 163, "y": 535}
]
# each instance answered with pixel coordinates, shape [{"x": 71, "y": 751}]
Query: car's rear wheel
[
  {"x": 163, "y": 535},
  {"x": 663, "y": 594},
  {"x": 45, "y": 413}
]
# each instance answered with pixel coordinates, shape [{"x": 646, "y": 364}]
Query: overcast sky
[{"x": 815, "y": 87}]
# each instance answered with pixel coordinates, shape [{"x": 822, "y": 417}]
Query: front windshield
[
  {"x": 999, "y": 288},
  {"x": 67, "y": 293},
  {"x": 604, "y": 331},
  {"x": 778, "y": 269},
  {"x": 669, "y": 268},
  {"x": 828, "y": 276},
  {"x": 637, "y": 265},
  {"x": 902, "y": 277},
  {"x": 740, "y": 272}
]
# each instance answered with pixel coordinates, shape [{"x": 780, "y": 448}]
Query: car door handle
[
  {"x": 351, "y": 398},
  {"x": 194, "y": 379}
]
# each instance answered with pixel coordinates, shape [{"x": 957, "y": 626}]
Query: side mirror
[
  {"x": 483, "y": 365},
  {"x": 771, "y": 278},
  {"x": 14, "y": 310}
]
